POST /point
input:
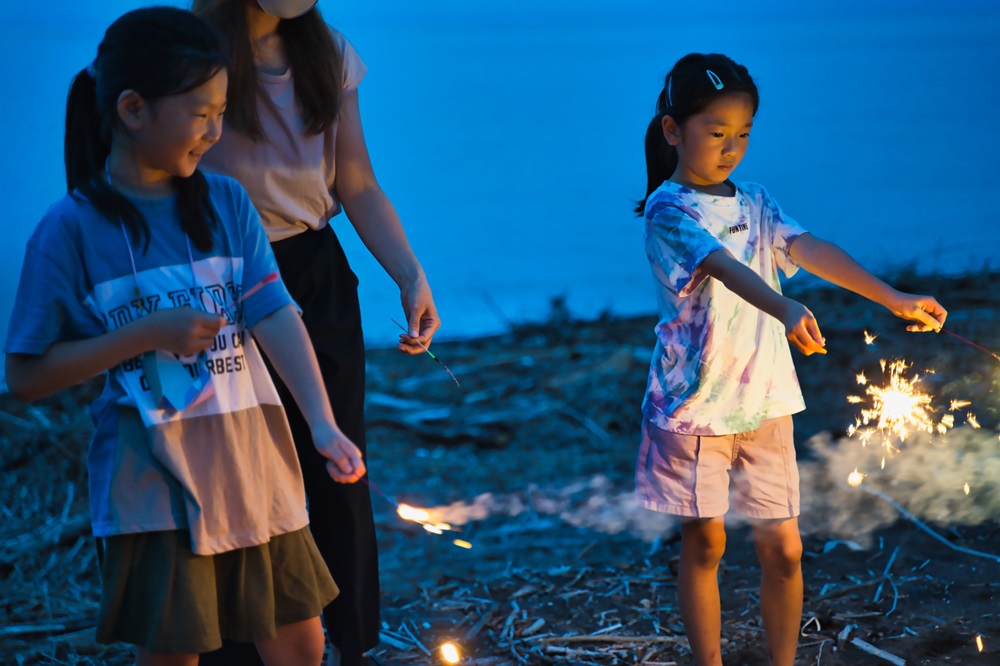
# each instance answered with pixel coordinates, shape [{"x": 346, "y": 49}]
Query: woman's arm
[
  {"x": 801, "y": 327},
  {"x": 182, "y": 331},
  {"x": 378, "y": 225},
  {"x": 831, "y": 263},
  {"x": 284, "y": 339}
]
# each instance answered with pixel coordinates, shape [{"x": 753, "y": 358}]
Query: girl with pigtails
[
  {"x": 161, "y": 278},
  {"x": 722, "y": 386}
]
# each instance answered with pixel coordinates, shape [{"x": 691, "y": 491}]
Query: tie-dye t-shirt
[
  {"x": 225, "y": 467},
  {"x": 721, "y": 366}
]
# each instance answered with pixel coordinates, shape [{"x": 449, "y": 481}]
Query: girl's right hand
[
  {"x": 802, "y": 329},
  {"x": 344, "y": 463},
  {"x": 182, "y": 331}
]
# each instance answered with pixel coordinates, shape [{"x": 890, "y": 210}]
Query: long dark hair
[
  {"x": 157, "y": 52},
  {"x": 687, "y": 91},
  {"x": 313, "y": 56}
]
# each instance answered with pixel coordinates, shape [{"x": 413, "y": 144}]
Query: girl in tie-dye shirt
[{"x": 722, "y": 386}]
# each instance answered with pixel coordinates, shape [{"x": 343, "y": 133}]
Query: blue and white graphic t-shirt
[
  {"x": 225, "y": 467},
  {"x": 720, "y": 366}
]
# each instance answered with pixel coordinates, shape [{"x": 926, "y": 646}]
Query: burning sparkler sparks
[
  {"x": 416, "y": 515},
  {"x": 896, "y": 409},
  {"x": 958, "y": 404},
  {"x": 423, "y": 518},
  {"x": 870, "y": 338},
  {"x": 855, "y": 478}
]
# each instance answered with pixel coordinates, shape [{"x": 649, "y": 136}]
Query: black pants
[{"x": 315, "y": 270}]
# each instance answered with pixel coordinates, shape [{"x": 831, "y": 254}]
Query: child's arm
[
  {"x": 801, "y": 327},
  {"x": 831, "y": 263},
  {"x": 285, "y": 341},
  {"x": 182, "y": 331}
]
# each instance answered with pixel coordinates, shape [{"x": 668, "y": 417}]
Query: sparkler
[
  {"x": 970, "y": 342},
  {"x": 424, "y": 347},
  {"x": 416, "y": 515},
  {"x": 895, "y": 409}
]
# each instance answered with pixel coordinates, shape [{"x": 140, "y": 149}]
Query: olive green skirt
[{"x": 157, "y": 594}]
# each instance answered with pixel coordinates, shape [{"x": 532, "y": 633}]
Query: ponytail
[
  {"x": 661, "y": 160},
  {"x": 84, "y": 146}
]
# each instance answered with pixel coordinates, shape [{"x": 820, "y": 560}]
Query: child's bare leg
[
  {"x": 779, "y": 549},
  {"x": 703, "y": 541},
  {"x": 144, "y": 657},
  {"x": 298, "y": 644}
]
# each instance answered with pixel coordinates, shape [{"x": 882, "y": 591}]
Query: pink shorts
[{"x": 689, "y": 475}]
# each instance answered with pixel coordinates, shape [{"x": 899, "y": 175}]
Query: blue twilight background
[{"x": 509, "y": 135}]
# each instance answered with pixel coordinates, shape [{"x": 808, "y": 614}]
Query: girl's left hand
[
  {"x": 344, "y": 458},
  {"x": 421, "y": 316},
  {"x": 925, "y": 310}
]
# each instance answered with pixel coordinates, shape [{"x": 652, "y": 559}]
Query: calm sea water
[{"x": 509, "y": 135}]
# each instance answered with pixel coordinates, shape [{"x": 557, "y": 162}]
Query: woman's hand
[
  {"x": 925, "y": 310},
  {"x": 182, "y": 331},
  {"x": 345, "y": 464},
  {"x": 421, "y": 316},
  {"x": 802, "y": 329}
]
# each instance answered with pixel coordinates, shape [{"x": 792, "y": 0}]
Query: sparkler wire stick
[
  {"x": 970, "y": 342},
  {"x": 436, "y": 359},
  {"x": 371, "y": 484}
]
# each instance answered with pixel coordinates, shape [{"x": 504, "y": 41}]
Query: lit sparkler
[
  {"x": 855, "y": 478},
  {"x": 416, "y": 515},
  {"x": 896, "y": 409}
]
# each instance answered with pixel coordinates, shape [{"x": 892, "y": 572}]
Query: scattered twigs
[
  {"x": 923, "y": 526},
  {"x": 872, "y": 650}
]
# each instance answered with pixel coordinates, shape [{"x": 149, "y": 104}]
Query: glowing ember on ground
[
  {"x": 966, "y": 488},
  {"x": 855, "y": 478},
  {"x": 979, "y": 643},
  {"x": 449, "y": 653},
  {"x": 462, "y": 544}
]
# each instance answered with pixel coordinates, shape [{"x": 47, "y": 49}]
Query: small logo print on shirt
[{"x": 737, "y": 228}]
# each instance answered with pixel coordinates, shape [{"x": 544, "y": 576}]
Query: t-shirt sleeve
[
  {"x": 676, "y": 244},
  {"x": 259, "y": 265},
  {"x": 782, "y": 230},
  {"x": 353, "y": 67},
  {"x": 51, "y": 294}
]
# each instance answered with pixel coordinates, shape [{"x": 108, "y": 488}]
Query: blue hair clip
[{"x": 714, "y": 78}]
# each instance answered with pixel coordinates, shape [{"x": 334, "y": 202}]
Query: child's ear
[
  {"x": 671, "y": 130},
  {"x": 132, "y": 109}
]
